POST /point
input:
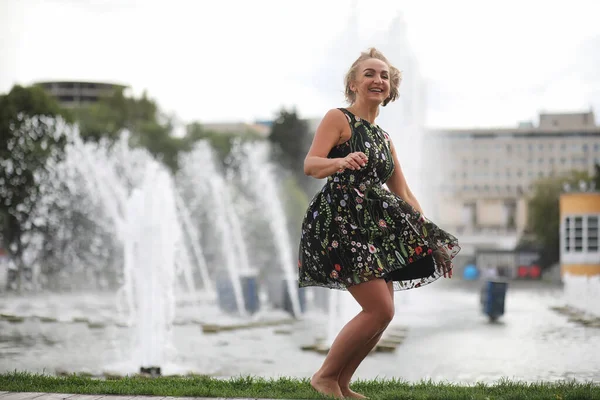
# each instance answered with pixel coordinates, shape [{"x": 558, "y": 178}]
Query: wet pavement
[{"x": 448, "y": 339}]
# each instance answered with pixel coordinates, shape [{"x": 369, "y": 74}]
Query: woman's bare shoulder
[{"x": 334, "y": 117}]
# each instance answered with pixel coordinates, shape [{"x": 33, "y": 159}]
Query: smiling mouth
[{"x": 376, "y": 90}]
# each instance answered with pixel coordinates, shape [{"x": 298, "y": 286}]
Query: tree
[
  {"x": 291, "y": 137},
  {"x": 28, "y": 137},
  {"x": 597, "y": 176},
  {"x": 141, "y": 116},
  {"x": 544, "y": 213}
]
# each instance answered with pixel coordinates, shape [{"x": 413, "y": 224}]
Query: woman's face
[{"x": 372, "y": 81}]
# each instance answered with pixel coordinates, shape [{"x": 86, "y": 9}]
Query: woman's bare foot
[
  {"x": 328, "y": 387},
  {"x": 350, "y": 394}
]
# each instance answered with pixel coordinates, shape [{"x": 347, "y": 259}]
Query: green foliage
[
  {"x": 28, "y": 138},
  {"x": 292, "y": 139},
  {"x": 110, "y": 115},
  {"x": 295, "y": 202},
  {"x": 141, "y": 116},
  {"x": 159, "y": 142},
  {"x": 293, "y": 388},
  {"x": 544, "y": 214},
  {"x": 29, "y": 101}
]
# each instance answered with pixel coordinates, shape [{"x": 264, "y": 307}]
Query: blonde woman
[{"x": 357, "y": 235}]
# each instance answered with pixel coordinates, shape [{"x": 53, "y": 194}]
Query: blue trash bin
[
  {"x": 493, "y": 296},
  {"x": 226, "y": 294},
  {"x": 250, "y": 291}
]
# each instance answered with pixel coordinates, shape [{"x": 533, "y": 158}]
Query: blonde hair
[{"x": 395, "y": 76}]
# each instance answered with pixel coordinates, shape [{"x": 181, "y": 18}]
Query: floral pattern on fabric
[{"x": 356, "y": 230}]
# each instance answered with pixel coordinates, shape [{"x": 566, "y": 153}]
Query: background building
[
  {"x": 75, "y": 94},
  {"x": 482, "y": 179},
  {"x": 484, "y": 176},
  {"x": 238, "y": 128},
  {"x": 579, "y": 249}
]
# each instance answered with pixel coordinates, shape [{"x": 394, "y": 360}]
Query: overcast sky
[{"x": 482, "y": 63}]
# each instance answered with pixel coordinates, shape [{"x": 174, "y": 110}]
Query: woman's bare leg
[
  {"x": 358, "y": 356},
  {"x": 377, "y": 312}
]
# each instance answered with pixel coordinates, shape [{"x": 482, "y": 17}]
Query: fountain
[
  {"x": 194, "y": 243},
  {"x": 241, "y": 204},
  {"x": 139, "y": 194},
  {"x": 258, "y": 173},
  {"x": 151, "y": 237},
  {"x": 133, "y": 214},
  {"x": 123, "y": 222},
  {"x": 200, "y": 180}
]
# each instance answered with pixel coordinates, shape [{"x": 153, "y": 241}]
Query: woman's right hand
[{"x": 353, "y": 161}]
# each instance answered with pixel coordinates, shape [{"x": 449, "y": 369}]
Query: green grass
[{"x": 289, "y": 388}]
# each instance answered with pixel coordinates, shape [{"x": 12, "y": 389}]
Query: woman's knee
[
  {"x": 374, "y": 298},
  {"x": 386, "y": 312},
  {"x": 382, "y": 314}
]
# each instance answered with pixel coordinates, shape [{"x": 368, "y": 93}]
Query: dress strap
[
  {"x": 349, "y": 115},
  {"x": 351, "y": 121}
]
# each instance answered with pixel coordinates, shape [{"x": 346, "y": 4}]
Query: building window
[
  {"x": 581, "y": 234},
  {"x": 568, "y": 234},
  {"x": 578, "y": 234},
  {"x": 469, "y": 214},
  {"x": 592, "y": 233}
]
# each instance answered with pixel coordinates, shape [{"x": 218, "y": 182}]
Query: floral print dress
[{"x": 356, "y": 230}]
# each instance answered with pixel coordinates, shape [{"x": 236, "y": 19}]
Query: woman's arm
[
  {"x": 332, "y": 130},
  {"x": 398, "y": 185}
]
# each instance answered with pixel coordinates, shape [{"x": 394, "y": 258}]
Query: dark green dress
[{"x": 356, "y": 230}]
